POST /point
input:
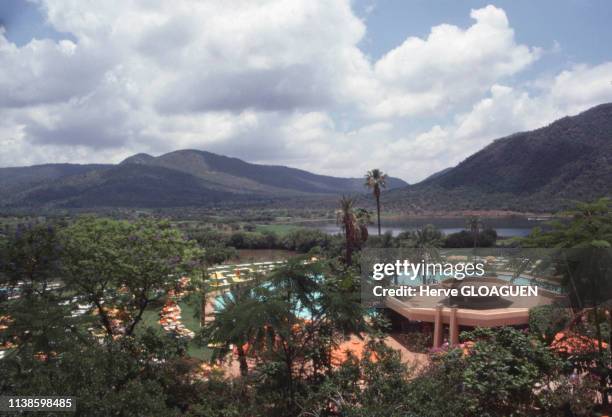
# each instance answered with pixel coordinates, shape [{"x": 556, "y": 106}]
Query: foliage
[
  {"x": 589, "y": 225},
  {"x": 301, "y": 240},
  {"x": 354, "y": 225},
  {"x": 497, "y": 376},
  {"x": 585, "y": 261},
  {"x": 289, "y": 324},
  {"x": 464, "y": 239},
  {"x": 30, "y": 265},
  {"x": 376, "y": 180},
  {"x": 547, "y": 320},
  {"x": 283, "y": 328},
  {"x": 123, "y": 265},
  {"x": 113, "y": 378}
]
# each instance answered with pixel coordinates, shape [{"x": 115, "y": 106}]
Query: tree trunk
[
  {"x": 203, "y": 309},
  {"x": 244, "y": 367},
  {"x": 104, "y": 318},
  {"x": 349, "y": 251},
  {"x": 203, "y": 289},
  {"x": 378, "y": 212}
]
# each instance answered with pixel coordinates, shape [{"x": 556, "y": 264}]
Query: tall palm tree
[{"x": 376, "y": 180}]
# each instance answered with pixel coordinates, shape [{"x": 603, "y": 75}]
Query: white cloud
[
  {"x": 450, "y": 67},
  {"x": 272, "y": 81},
  {"x": 508, "y": 110}
]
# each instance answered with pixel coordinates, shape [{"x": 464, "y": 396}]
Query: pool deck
[{"x": 439, "y": 310}]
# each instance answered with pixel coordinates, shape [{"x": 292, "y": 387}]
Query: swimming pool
[
  {"x": 520, "y": 280},
  {"x": 302, "y": 313}
]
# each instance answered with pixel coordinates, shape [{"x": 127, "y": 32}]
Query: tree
[
  {"x": 290, "y": 323},
  {"x": 494, "y": 377},
  {"x": 428, "y": 237},
  {"x": 30, "y": 265},
  {"x": 239, "y": 320},
  {"x": 584, "y": 259},
  {"x": 121, "y": 267},
  {"x": 374, "y": 385},
  {"x": 547, "y": 320},
  {"x": 464, "y": 239},
  {"x": 427, "y": 242},
  {"x": 352, "y": 227},
  {"x": 363, "y": 218},
  {"x": 376, "y": 180},
  {"x": 310, "y": 309},
  {"x": 129, "y": 377},
  {"x": 54, "y": 354},
  {"x": 474, "y": 224}
]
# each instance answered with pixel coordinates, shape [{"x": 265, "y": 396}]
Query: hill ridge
[{"x": 542, "y": 169}]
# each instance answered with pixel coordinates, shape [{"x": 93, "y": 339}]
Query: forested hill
[
  {"x": 541, "y": 170},
  {"x": 176, "y": 179}
]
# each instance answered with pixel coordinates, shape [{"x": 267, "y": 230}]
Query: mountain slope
[
  {"x": 237, "y": 174},
  {"x": 20, "y": 177},
  {"x": 177, "y": 179},
  {"x": 125, "y": 186},
  {"x": 541, "y": 169}
]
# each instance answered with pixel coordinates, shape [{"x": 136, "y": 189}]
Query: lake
[{"x": 506, "y": 227}]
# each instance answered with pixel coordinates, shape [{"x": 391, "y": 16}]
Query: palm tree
[
  {"x": 352, "y": 224},
  {"x": 474, "y": 224},
  {"x": 428, "y": 237},
  {"x": 239, "y": 321},
  {"x": 427, "y": 241},
  {"x": 364, "y": 218},
  {"x": 376, "y": 179}
]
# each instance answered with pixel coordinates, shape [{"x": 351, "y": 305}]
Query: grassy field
[
  {"x": 189, "y": 306},
  {"x": 150, "y": 318},
  {"x": 279, "y": 229}
]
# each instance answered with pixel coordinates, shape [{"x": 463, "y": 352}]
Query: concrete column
[
  {"x": 438, "y": 327},
  {"x": 453, "y": 327}
]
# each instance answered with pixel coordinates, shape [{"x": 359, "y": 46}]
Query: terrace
[{"x": 452, "y": 313}]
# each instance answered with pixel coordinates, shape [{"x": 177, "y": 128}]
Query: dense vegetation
[{"x": 282, "y": 328}]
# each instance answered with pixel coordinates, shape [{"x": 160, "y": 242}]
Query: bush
[
  {"x": 465, "y": 239},
  {"x": 303, "y": 240},
  {"x": 546, "y": 321}
]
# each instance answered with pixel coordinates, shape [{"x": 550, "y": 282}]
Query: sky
[{"x": 334, "y": 87}]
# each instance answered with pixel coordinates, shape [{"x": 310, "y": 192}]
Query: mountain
[
  {"x": 238, "y": 175},
  {"x": 539, "y": 170},
  {"x": 139, "y": 158},
  {"x": 176, "y": 179},
  {"x": 20, "y": 177},
  {"x": 437, "y": 174}
]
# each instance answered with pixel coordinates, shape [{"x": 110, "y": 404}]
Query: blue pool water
[
  {"x": 520, "y": 280},
  {"x": 301, "y": 312}
]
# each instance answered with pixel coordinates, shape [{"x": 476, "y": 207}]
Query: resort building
[{"x": 446, "y": 317}]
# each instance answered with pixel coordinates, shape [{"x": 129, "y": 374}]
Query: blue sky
[
  {"x": 408, "y": 86},
  {"x": 581, "y": 26}
]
